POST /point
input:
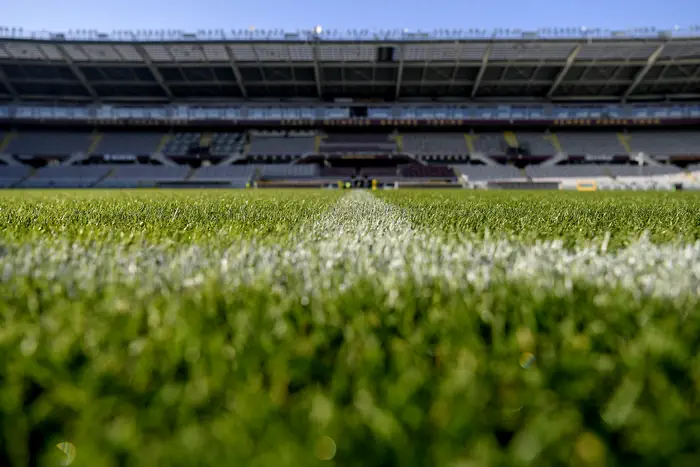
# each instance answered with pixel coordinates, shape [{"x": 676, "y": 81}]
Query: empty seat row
[
  {"x": 76, "y": 176},
  {"x": 289, "y": 171},
  {"x": 489, "y": 172},
  {"x": 435, "y": 143},
  {"x": 64, "y": 143},
  {"x": 131, "y": 143},
  {"x": 353, "y": 138},
  {"x": 426, "y": 171},
  {"x": 272, "y": 146},
  {"x": 13, "y": 174},
  {"x": 180, "y": 144},
  {"x": 665, "y": 142},
  {"x": 224, "y": 144},
  {"x": 49, "y": 143},
  {"x": 566, "y": 171},
  {"x": 224, "y": 172}
]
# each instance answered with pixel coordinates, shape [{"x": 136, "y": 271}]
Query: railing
[
  {"x": 318, "y": 33},
  {"x": 309, "y": 113}
]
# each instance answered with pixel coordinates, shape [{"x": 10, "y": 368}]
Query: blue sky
[{"x": 107, "y": 15}]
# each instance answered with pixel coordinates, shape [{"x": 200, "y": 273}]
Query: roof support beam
[
  {"x": 236, "y": 72},
  {"x": 154, "y": 71},
  {"x": 399, "y": 74},
  {"x": 6, "y": 82},
  {"x": 10, "y": 88},
  {"x": 317, "y": 69},
  {"x": 78, "y": 74},
  {"x": 692, "y": 79},
  {"x": 643, "y": 72},
  {"x": 482, "y": 70},
  {"x": 458, "y": 61},
  {"x": 562, "y": 73}
]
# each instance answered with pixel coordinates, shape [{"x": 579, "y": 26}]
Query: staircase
[
  {"x": 103, "y": 178},
  {"x": 205, "y": 140},
  {"x": 399, "y": 142},
  {"x": 624, "y": 140},
  {"x": 75, "y": 157},
  {"x": 27, "y": 177},
  {"x": 469, "y": 140},
  {"x": 190, "y": 174},
  {"x": 554, "y": 140},
  {"x": 558, "y": 157},
  {"x": 163, "y": 142},
  {"x": 317, "y": 143},
  {"x": 8, "y": 159},
  {"x": 511, "y": 139},
  {"x": 5, "y": 143},
  {"x": 162, "y": 159},
  {"x": 96, "y": 138}
]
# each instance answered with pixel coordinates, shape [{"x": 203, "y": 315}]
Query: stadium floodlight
[{"x": 318, "y": 30}]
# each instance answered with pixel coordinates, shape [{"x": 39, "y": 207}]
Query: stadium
[
  {"x": 264, "y": 247},
  {"x": 579, "y": 109}
]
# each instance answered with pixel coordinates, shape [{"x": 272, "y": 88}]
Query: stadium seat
[
  {"x": 668, "y": 143},
  {"x": 12, "y": 174},
  {"x": 76, "y": 176},
  {"x": 132, "y": 143},
  {"x": 49, "y": 143},
  {"x": 434, "y": 144},
  {"x": 426, "y": 171},
  {"x": 357, "y": 142},
  {"x": 575, "y": 143},
  {"x": 181, "y": 143},
  {"x": 489, "y": 172},
  {"x": 122, "y": 176},
  {"x": 281, "y": 145},
  {"x": 225, "y": 144}
]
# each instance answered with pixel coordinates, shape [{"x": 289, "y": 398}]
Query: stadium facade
[{"x": 583, "y": 109}]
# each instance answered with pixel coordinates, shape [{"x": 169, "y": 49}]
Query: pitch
[{"x": 403, "y": 327}]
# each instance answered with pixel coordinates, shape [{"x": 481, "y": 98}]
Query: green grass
[
  {"x": 245, "y": 328},
  {"x": 570, "y": 216}
]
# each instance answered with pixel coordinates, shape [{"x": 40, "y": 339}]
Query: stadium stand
[
  {"x": 277, "y": 171},
  {"x": 282, "y": 145},
  {"x": 235, "y": 176},
  {"x": 379, "y": 172},
  {"x": 665, "y": 142},
  {"x": 141, "y": 175},
  {"x": 632, "y": 170},
  {"x": 357, "y": 142},
  {"x": 12, "y": 175},
  {"x": 338, "y": 172},
  {"x": 426, "y": 171},
  {"x": 131, "y": 143},
  {"x": 585, "y": 143},
  {"x": 434, "y": 143},
  {"x": 566, "y": 171},
  {"x": 226, "y": 144},
  {"x": 48, "y": 143},
  {"x": 638, "y": 130},
  {"x": 180, "y": 144},
  {"x": 79, "y": 176},
  {"x": 487, "y": 173},
  {"x": 536, "y": 144}
]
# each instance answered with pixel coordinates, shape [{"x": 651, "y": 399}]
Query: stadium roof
[{"x": 468, "y": 67}]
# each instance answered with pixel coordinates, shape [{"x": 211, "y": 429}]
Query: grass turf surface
[{"x": 254, "y": 327}]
